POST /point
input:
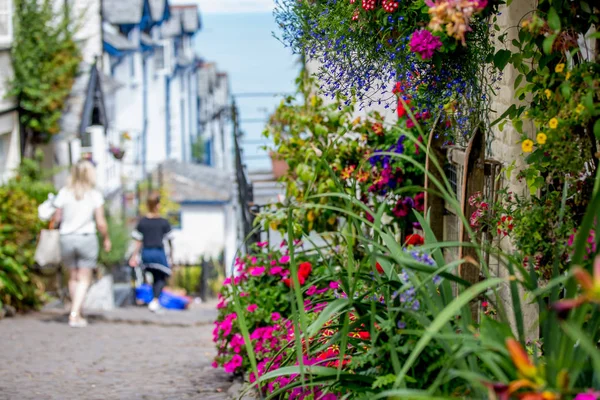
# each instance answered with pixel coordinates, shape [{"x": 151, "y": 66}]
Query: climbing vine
[{"x": 45, "y": 61}]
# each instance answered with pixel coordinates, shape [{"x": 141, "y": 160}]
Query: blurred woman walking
[
  {"x": 80, "y": 213},
  {"x": 150, "y": 234}
]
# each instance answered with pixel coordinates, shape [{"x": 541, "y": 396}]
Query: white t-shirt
[{"x": 78, "y": 215}]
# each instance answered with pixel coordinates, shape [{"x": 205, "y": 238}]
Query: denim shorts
[{"x": 79, "y": 251}]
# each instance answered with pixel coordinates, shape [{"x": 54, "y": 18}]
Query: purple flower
[
  {"x": 424, "y": 43},
  {"x": 401, "y": 324}
]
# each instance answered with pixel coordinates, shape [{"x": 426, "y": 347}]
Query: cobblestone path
[{"x": 42, "y": 358}]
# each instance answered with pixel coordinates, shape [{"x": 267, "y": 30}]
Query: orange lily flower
[
  {"x": 521, "y": 359},
  {"x": 590, "y": 286}
]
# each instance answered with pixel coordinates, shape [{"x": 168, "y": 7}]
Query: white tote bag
[{"x": 47, "y": 252}]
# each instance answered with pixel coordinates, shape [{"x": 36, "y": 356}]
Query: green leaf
[
  {"x": 442, "y": 319},
  {"x": 585, "y": 7},
  {"x": 553, "y": 19},
  {"x": 518, "y": 81},
  {"x": 548, "y": 43},
  {"x": 579, "y": 336},
  {"x": 501, "y": 59},
  {"x": 597, "y": 129}
]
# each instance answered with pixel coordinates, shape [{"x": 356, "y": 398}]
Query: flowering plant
[
  {"x": 435, "y": 48},
  {"x": 362, "y": 157}
]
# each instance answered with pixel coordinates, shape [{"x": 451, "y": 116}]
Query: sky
[{"x": 238, "y": 36}]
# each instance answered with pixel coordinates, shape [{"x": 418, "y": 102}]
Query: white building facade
[{"x": 10, "y": 143}]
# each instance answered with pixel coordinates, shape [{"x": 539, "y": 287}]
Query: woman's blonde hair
[{"x": 83, "y": 178}]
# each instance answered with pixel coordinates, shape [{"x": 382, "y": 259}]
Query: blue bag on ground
[{"x": 166, "y": 299}]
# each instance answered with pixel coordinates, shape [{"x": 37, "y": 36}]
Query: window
[{"x": 5, "y": 21}]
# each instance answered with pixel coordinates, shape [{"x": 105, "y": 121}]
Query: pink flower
[
  {"x": 251, "y": 308},
  {"x": 215, "y": 364},
  {"x": 424, "y": 43},
  {"x": 275, "y": 316},
  {"x": 275, "y": 270},
  {"x": 588, "y": 396},
  {"x": 222, "y": 304},
  {"x": 243, "y": 294},
  {"x": 231, "y": 366},
  {"x": 254, "y": 260},
  {"x": 481, "y": 4},
  {"x": 257, "y": 271},
  {"x": 284, "y": 260},
  {"x": 227, "y": 281},
  {"x": 334, "y": 285},
  {"x": 311, "y": 290},
  {"x": 265, "y": 244}
]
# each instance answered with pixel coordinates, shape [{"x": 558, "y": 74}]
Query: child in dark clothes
[{"x": 150, "y": 234}]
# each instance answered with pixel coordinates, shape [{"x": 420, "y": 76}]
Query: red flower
[
  {"x": 304, "y": 270},
  {"x": 401, "y": 110},
  {"x": 414, "y": 240},
  {"x": 379, "y": 269}
]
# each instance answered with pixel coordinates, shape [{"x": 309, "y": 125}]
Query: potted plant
[{"x": 279, "y": 165}]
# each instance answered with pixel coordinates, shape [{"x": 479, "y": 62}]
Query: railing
[{"x": 244, "y": 187}]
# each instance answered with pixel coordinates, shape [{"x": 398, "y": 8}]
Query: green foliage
[
  {"x": 120, "y": 237},
  {"x": 19, "y": 227},
  {"x": 45, "y": 60},
  {"x": 198, "y": 150},
  {"x": 187, "y": 278},
  {"x": 34, "y": 180}
]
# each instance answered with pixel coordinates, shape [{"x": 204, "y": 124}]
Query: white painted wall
[
  {"x": 157, "y": 110},
  {"x": 10, "y": 152},
  {"x": 202, "y": 233},
  {"x": 90, "y": 29}
]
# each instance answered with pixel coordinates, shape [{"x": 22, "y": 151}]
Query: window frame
[{"x": 7, "y": 38}]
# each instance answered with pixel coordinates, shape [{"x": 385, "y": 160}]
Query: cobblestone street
[{"x": 120, "y": 357}]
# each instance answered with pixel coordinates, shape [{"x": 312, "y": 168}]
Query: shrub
[{"x": 19, "y": 228}]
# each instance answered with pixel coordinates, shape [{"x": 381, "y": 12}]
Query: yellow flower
[
  {"x": 331, "y": 220},
  {"x": 310, "y": 216},
  {"x": 568, "y": 75},
  {"x": 274, "y": 225},
  {"x": 541, "y": 138},
  {"x": 559, "y": 68},
  {"x": 527, "y": 146},
  {"x": 553, "y": 123},
  {"x": 313, "y": 101},
  {"x": 356, "y": 121},
  {"x": 580, "y": 108},
  {"x": 526, "y": 114},
  {"x": 548, "y": 93}
]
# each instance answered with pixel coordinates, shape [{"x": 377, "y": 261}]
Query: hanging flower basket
[{"x": 117, "y": 152}]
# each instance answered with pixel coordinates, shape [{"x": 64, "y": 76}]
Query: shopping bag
[{"x": 47, "y": 253}]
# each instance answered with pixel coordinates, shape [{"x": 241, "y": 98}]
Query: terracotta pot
[{"x": 279, "y": 165}]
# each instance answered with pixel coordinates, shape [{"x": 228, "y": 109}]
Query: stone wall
[{"x": 506, "y": 148}]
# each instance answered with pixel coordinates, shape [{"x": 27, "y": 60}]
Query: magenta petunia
[
  {"x": 262, "y": 244},
  {"x": 334, "y": 285},
  {"x": 251, "y": 308},
  {"x": 257, "y": 271},
  {"x": 424, "y": 43},
  {"x": 311, "y": 290},
  {"x": 275, "y": 270},
  {"x": 284, "y": 260},
  {"x": 275, "y": 316}
]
